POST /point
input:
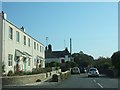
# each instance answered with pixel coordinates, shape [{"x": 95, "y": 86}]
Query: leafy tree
[
  {"x": 116, "y": 59},
  {"x": 82, "y": 59},
  {"x": 102, "y": 64}
]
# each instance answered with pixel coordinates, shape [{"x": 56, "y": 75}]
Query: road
[{"x": 80, "y": 81}]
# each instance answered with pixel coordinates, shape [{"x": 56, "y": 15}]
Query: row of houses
[
  {"x": 21, "y": 52},
  {"x": 18, "y": 50}
]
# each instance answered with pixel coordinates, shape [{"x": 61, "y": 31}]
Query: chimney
[
  {"x": 23, "y": 29},
  {"x": 4, "y": 15},
  {"x": 49, "y": 47},
  {"x": 70, "y": 46}
]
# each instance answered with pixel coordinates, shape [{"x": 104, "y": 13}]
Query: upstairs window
[
  {"x": 10, "y": 33},
  {"x": 37, "y": 47},
  {"x": 34, "y": 45},
  {"x": 17, "y": 36},
  {"x": 24, "y": 40},
  {"x": 40, "y": 48},
  {"x": 29, "y": 42},
  {"x": 29, "y": 62}
]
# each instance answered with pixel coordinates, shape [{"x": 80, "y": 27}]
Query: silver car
[
  {"x": 75, "y": 70},
  {"x": 93, "y": 72}
]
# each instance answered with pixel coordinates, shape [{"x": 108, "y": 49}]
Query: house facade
[
  {"x": 56, "y": 56},
  {"x": 18, "y": 50}
]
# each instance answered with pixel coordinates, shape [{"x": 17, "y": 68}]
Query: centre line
[{"x": 100, "y": 85}]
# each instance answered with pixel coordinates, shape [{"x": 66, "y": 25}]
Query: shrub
[
  {"x": 10, "y": 73},
  {"x": 28, "y": 73},
  {"x": 19, "y": 73}
]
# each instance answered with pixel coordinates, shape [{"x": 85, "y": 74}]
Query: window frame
[
  {"x": 17, "y": 36},
  {"x": 10, "y": 33},
  {"x": 29, "y": 63},
  {"x": 35, "y": 45},
  {"x": 24, "y": 39},
  {"x": 29, "y": 42},
  {"x": 10, "y": 59}
]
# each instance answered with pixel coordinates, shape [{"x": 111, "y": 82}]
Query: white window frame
[
  {"x": 11, "y": 33},
  {"x": 24, "y": 39},
  {"x": 10, "y": 59},
  {"x": 35, "y": 45},
  {"x": 40, "y": 48},
  {"x": 29, "y": 63},
  {"x": 34, "y": 62},
  {"x": 29, "y": 42},
  {"x": 17, "y": 36}
]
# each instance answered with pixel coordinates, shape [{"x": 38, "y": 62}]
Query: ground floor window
[
  {"x": 10, "y": 59},
  {"x": 34, "y": 62},
  {"x": 28, "y": 61}
]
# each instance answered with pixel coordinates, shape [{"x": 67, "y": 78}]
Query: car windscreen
[{"x": 92, "y": 69}]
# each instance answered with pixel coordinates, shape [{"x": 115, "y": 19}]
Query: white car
[
  {"x": 93, "y": 72},
  {"x": 75, "y": 70}
]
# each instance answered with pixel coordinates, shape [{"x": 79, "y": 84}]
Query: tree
[
  {"x": 116, "y": 59},
  {"x": 103, "y": 64},
  {"x": 53, "y": 64},
  {"x": 82, "y": 59}
]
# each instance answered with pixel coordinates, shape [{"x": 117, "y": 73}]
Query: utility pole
[
  {"x": 64, "y": 44},
  {"x": 46, "y": 41},
  {"x": 70, "y": 46}
]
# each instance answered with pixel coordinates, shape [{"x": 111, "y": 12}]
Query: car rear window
[{"x": 92, "y": 69}]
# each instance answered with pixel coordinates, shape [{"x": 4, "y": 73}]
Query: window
[
  {"x": 28, "y": 61},
  {"x": 34, "y": 62},
  {"x": 10, "y": 33},
  {"x": 24, "y": 40},
  {"x": 40, "y": 48},
  {"x": 37, "y": 47},
  {"x": 34, "y": 45},
  {"x": 17, "y": 36},
  {"x": 29, "y": 42},
  {"x": 10, "y": 59}
]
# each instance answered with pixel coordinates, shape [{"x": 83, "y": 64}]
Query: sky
[{"x": 92, "y": 26}]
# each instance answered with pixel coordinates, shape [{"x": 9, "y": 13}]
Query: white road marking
[{"x": 100, "y": 85}]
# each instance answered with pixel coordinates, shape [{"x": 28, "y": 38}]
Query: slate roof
[{"x": 56, "y": 54}]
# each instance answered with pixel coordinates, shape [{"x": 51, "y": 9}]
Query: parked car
[
  {"x": 83, "y": 70},
  {"x": 75, "y": 70},
  {"x": 93, "y": 72}
]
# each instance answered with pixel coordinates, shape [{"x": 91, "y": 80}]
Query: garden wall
[{"x": 26, "y": 79}]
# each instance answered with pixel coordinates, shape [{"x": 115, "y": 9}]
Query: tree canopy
[
  {"x": 82, "y": 59},
  {"x": 116, "y": 59}
]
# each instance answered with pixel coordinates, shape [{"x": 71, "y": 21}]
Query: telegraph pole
[
  {"x": 46, "y": 41},
  {"x": 64, "y": 44},
  {"x": 70, "y": 46}
]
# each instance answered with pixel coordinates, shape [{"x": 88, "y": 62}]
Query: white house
[
  {"x": 18, "y": 50},
  {"x": 56, "y": 56}
]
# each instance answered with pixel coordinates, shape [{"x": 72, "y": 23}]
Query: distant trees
[
  {"x": 82, "y": 59},
  {"x": 103, "y": 64}
]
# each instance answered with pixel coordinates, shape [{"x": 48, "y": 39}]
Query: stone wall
[{"x": 26, "y": 79}]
